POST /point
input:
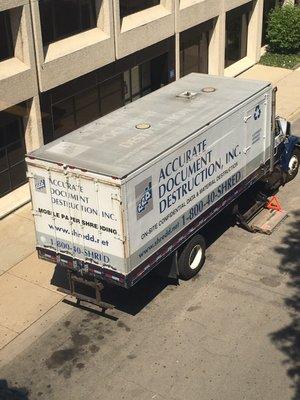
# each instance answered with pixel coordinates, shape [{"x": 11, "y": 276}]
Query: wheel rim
[
  {"x": 195, "y": 256},
  {"x": 293, "y": 165}
]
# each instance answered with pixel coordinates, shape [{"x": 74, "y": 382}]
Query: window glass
[
  {"x": 135, "y": 81},
  {"x": 4, "y": 183},
  {"x": 3, "y": 160},
  {"x": 203, "y": 52},
  {"x": 128, "y": 7},
  {"x": 111, "y": 102},
  {"x": 3, "y": 139},
  {"x": 87, "y": 14},
  {"x": 110, "y": 86},
  {"x": 86, "y": 105},
  {"x": 63, "y": 126},
  {"x": 191, "y": 58},
  {"x": 6, "y": 46},
  {"x": 146, "y": 77},
  {"x": 111, "y": 92},
  {"x": 18, "y": 174},
  {"x": 13, "y": 131},
  {"x": 127, "y": 86},
  {"x": 237, "y": 21},
  {"x": 86, "y": 98},
  {"x": 63, "y": 109},
  {"x": 81, "y": 106},
  {"x": 15, "y": 153},
  {"x": 87, "y": 114},
  {"x": 12, "y": 149},
  {"x": 64, "y": 18},
  {"x": 194, "y": 51},
  {"x": 47, "y": 21}
]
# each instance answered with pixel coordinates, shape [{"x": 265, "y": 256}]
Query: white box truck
[{"x": 114, "y": 198}]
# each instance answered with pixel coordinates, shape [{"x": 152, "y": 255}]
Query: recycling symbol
[{"x": 257, "y": 113}]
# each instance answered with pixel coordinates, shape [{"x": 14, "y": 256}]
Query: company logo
[
  {"x": 257, "y": 113},
  {"x": 40, "y": 184},
  {"x": 144, "y": 197}
]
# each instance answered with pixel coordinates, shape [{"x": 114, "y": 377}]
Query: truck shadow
[
  {"x": 287, "y": 339},
  {"x": 12, "y": 393},
  {"x": 142, "y": 293}
]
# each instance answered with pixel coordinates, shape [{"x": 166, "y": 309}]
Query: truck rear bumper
[{"x": 86, "y": 268}]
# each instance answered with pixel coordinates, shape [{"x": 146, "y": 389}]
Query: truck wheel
[
  {"x": 293, "y": 165},
  {"x": 192, "y": 257}
]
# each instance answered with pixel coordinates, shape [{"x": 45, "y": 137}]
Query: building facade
[{"x": 64, "y": 63}]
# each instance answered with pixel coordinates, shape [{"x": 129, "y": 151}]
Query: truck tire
[
  {"x": 192, "y": 257},
  {"x": 293, "y": 165}
]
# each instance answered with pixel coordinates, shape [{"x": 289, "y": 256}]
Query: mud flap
[{"x": 169, "y": 267}]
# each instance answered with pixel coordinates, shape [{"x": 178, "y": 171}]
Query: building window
[
  {"x": 128, "y": 7},
  {"x": 145, "y": 78},
  {"x": 64, "y": 18},
  {"x": 87, "y": 98},
  {"x": 86, "y": 105},
  {"x": 237, "y": 21},
  {"x": 12, "y": 150},
  {"x": 268, "y": 6},
  {"x": 137, "y": 82},
  {"x": 6, "y": 44},
  {"x": 194, "y": 45}
]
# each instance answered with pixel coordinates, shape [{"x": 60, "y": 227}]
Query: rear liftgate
[{"x": 263, "y": 217}]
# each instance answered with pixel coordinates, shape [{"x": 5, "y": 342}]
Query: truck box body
[{"x": 119, "y": 194}]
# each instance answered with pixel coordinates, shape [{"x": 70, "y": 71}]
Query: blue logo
[
  {"x": 147, "y": 196},
  {"x": 40, "y": 184},
  {"x": 144, "y": 197},
  {"x": 257, "y": 113}
]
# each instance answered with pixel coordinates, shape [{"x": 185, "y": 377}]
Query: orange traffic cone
[{"x": 274, "y": 204}]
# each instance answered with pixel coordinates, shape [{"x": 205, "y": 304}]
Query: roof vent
[
  {"x": 188, "y": 95},
  {"x": 143, "y": 125},
  {"x": 208, "y": 89}
]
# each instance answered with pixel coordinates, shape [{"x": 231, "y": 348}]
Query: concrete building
[{"x": 64, "y": 63}]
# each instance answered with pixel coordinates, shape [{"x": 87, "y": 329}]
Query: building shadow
[
  {"x": 12, "y": 393},
  {"x": 287, "y": 339}
]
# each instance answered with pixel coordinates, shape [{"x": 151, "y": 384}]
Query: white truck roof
[{"x": 114, "y": 146}]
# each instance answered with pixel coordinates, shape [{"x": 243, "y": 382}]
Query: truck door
[{"x": 255, "y": 120}]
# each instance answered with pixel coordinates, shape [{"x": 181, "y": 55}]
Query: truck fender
[{"x": 290, "y": 143}]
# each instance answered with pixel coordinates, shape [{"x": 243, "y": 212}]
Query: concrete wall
[
  {"x": 77, "y": 55},
  {"x": 144, "y": 28},
  {"x": 18, "y": 74}
]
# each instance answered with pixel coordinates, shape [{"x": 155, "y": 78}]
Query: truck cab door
[{"x": 255, "y": 150}]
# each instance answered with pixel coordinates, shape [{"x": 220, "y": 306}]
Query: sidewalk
[
  {"x": 288, "y": 84},
  {"x": 26, "y": 294},
  {"x": 29, "y": 303}
]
